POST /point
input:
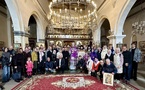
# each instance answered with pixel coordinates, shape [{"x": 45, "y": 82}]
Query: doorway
[{"x": 33, "y": 32}]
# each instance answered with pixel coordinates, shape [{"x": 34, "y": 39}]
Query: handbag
[{"x": 16, "y": 75}]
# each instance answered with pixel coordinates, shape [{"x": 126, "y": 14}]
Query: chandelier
[
  {"x": 72, "y": 14},
  {"x": 139, "y": 26}
]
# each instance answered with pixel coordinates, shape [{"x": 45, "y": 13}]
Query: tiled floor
[{"x": 140, "y": 83}]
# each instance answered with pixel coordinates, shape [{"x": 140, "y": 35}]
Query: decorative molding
[
  {"x": 101, "y": 5},
  {"x": 116, "y": 36},
  {"x": 114, "y": 3},
  {"x": 41, "y": 40},
  {"x": 39, "y": 7},
  {"x": 67, "y": 39},
  {"x": 21, "y": 33}
]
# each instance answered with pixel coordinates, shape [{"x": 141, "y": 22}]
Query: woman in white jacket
[
  {"x": 118, "y": 62},
  {"x": 104, "y": 52},
  {"x": 89, "y": 65}
]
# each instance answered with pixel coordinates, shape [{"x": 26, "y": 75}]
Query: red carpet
[{"x": 68, "y": 82}]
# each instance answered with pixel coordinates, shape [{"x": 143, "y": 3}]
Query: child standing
[{"x": 29, "y": 67}]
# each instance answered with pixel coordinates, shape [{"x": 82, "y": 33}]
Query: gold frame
[{"x": 108, "y": 79}]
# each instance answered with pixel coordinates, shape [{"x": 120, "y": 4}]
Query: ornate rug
[{"x": 68, "y": 82}]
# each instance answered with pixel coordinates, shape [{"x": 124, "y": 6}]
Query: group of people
[
  {"x": 86, "y": 58},
  {"x": 123, "y": 63}
]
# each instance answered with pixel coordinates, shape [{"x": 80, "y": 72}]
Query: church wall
[
  {"x": 112, "y": 10},
  {"x": 128, "y": 27},
  {"x": 31, "y": 7}
]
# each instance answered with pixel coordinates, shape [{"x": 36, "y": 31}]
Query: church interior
[{"x": 61, "y": 23}]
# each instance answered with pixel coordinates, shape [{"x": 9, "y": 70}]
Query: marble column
[
  {"x": 116, "y": 39},
  {"x": 9, "y": 26}
]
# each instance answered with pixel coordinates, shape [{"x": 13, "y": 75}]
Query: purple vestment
[
  {"x": 93, "y": 55},
  {"x": 74, "y": 55}
]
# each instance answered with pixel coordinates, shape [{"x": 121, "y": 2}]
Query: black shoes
[
  {"x": 135, "y": 79},
  {"x": 17, "y": 80},
  {"x": 2, "y": 88}
]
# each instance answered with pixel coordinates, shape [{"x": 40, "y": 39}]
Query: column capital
[
  {"x": 116, "y": 39},
  {"x": 21, "y": 33},
  {"x": 116, "y": 36}
]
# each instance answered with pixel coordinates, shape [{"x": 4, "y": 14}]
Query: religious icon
[{"x": 108, "y": 79}]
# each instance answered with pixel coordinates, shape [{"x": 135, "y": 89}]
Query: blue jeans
[
  {"x": 127, "y": 72},
  {"x": 47, "y": 70},
  {"x": 6, "y": 73}
]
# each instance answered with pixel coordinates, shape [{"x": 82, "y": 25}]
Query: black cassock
[{"x": 66, "y": 58}]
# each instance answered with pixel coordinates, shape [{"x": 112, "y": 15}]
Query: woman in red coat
[{"x": 95, "y": 67}]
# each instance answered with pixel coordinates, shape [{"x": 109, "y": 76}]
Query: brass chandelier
[{"x": 72, "y": 14}]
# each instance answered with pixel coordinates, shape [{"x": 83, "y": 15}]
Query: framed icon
[{"x": 108, "y": 79}]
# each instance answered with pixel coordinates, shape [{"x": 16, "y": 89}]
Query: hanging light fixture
[
  {"x": 138, "y": 27},
  {"x": 71, "y": 14}
]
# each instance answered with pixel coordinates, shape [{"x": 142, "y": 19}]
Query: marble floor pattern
[{"x": 139, "y": 83}]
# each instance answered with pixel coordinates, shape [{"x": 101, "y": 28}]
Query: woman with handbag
[{"x": 18, "y": 65}]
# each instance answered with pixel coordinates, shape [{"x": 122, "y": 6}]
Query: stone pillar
[
  {"x": 116, "y": 39},
  {"x": 41, "y": 42},
  {"x": 9, "y": 29},
  {"x": 96, "y": 36},
  {"x": 20, "y": 38}
]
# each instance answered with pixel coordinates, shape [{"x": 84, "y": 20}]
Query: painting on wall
[
  {"x": 59, "y": 43},
  {"x": 142, "y": 45}
]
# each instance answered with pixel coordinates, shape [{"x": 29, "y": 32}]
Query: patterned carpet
[{"x": 68, "y": 82}]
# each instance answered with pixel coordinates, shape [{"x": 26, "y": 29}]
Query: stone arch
[
  {"x": 104, "y": 25},
  {"x": 102, "y": 19},
  {"x": 39, "y": 24},
  {"x": 15, "y": 15},
  {"x": 123, "y": 14},
  {"x": 97, "y": 30}
]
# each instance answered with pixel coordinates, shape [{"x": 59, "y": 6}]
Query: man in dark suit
[
  {"x": 41, "y": 61},
  {"x": 49, "y": 53},
  {"x": 60, "y": 64},
  {"x": 127, "y": 65},
  {"x": 66, "y": 57}
]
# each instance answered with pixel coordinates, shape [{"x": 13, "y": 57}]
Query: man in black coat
[
  {"x": 127, "y": 66},
  {"x": 19, "y": 64},
  {"x": 99, "y": 54},
  {"x": 49, "y": 53},
  {"x": 41, "y": 61},
  {"x": 66, "y": 57},
  {"x": 81, "y": 64},
  {"x": 60, "y": 64}
]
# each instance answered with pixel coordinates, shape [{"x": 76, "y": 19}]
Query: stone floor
[{"x": 140, "y": 83}]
